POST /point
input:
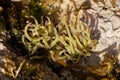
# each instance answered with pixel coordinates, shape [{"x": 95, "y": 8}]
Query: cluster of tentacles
[{"x": 67, "y": 41}]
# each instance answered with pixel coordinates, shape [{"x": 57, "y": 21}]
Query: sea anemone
[{"x": 68, "y": 40}]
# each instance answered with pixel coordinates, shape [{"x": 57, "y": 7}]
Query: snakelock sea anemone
[{"x": 67, "y": 41}]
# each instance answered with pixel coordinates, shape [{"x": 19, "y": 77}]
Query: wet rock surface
[
  {"x": 103, "y": 63},
  {"x": 10, "y": 64}
]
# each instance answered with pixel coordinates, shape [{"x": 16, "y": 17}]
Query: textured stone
[{"x": 115, "y": 20}]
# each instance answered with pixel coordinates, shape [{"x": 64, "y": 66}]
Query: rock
[
  {"x": 107, "y": 14},
  {"x": 6, "y": 63},
  {"x": 115, "y": 20}
]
